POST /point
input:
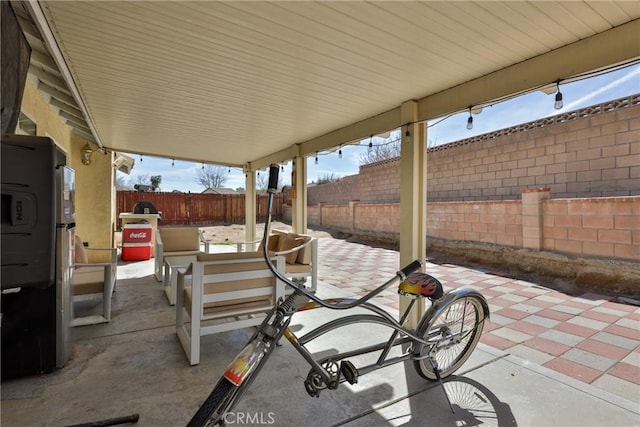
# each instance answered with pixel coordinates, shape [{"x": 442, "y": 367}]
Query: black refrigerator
[{"x": 38, "y": 190}]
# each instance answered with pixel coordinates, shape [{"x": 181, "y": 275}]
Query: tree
[
  {"x": 143, "y": 179},
  {"x": 155, "y": 181},
  {"x": 262, "y": 180},
  {"x": 381, "y": 152},
  {"x": 121, "y": 183},
  {"x": 326, "y": 178},
  {"x": 211, "y": 176}
]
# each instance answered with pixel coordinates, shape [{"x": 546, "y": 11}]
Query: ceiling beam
[
  {"x": 618, "y": 45},
  {"x": 363, "y": 129},
  {"x": 48, "y": 78},
  {"x": 82, "y": 133},
  {"x": 74, "y": 121},
  {"x": 50, "y": 90},
  {"x": 49, "y": 38},
  {"x": 43, "y": 60},
  {"x": 68, "y": 108}
]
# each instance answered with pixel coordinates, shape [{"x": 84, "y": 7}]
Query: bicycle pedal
[{"x": 349, "y": 371}]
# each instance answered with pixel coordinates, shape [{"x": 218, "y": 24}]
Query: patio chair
[
  {"x": 91, "y": 281},
  {"x": 228, "y": 291},
  {"x": 300, "y": 252}
]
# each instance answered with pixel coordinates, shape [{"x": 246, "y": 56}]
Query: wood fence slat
[{"x": 198, "y": 209}]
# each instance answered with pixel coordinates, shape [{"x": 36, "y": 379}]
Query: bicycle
[{"x": 443, "y": 340}]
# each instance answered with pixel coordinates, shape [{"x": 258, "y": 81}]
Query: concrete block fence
[{"x": 607, "y": 227}]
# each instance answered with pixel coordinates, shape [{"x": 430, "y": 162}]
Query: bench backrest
[
  {"x": 236, "y": 281},
  {"x": 180, "y": 238}
]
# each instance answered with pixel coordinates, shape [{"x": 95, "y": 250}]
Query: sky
[{"x": 181, "y": 176}]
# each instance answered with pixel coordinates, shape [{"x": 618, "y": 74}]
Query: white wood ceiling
[{"x": 235, "y": 82}]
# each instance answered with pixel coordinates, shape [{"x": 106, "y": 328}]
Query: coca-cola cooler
[{"x": 136, "y": 242}]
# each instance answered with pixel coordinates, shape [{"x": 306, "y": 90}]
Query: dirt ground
[{"x": 234, "y": 233}]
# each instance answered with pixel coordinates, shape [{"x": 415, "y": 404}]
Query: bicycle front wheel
[
  {"x": 215, "y": 406},
  {"x": 451, "y": 337}
]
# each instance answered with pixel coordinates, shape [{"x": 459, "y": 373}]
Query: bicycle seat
[{"x": 421, "y": 285}]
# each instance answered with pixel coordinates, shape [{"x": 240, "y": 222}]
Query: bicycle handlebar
[
  {"x": 407, "y": 270},
  {"x": 273, "y": 178},
  {"x": 400, "y": 275}
]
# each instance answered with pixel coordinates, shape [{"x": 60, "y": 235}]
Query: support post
[
  {"x": 299, "y": 198},
  {"x": 413, "y": 197},
  {"x": 532, "y": 217},
  {"x": 250, "y": 205}
]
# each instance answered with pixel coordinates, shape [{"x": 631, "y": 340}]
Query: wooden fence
[{"x": 199, "y": 209}]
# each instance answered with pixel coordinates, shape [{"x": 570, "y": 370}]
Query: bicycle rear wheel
[
  {"x": 214, "y": 407},
  {"x": 452, "y": 335}
]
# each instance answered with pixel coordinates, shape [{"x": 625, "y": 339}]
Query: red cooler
[{"x": 136, "y": 242}]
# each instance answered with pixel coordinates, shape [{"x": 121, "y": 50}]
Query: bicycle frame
[{"x": 330, "y": 371}]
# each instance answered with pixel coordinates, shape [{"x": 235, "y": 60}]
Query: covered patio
[
  {"x": 250, "y": 84},
  {"x": 135, "y": 365}
]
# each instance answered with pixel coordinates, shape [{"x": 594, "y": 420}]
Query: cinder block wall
[
  {"x": 592, "y": 152},
  {"x": 603, "y": 227},
  {"x": 334, "y": 193}
]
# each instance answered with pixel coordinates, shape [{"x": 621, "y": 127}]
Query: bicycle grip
[
  {"x": 273, "y": 177},
  {"x": 407, "y": 270}
]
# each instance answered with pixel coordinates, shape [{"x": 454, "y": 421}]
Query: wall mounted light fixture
[{"x": 87, "y": 152}]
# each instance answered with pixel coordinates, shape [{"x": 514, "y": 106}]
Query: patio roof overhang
[{"x": 252, "y": 83}]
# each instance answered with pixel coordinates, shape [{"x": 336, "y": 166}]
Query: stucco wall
[{"x": 94, "y": 206}]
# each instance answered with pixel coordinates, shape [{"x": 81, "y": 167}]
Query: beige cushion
[
  {"x": 287, "y": 242},
  {"x": 304, "y": 254},
  {"x": 225, "y": 256},
  {"x": 88, "y": 280},
  {"x": 274, "y": 239},
  {"x": 260, "y": 304},
  {"x": 180, "y": 239},
  {"x": 80, "y": 253}
]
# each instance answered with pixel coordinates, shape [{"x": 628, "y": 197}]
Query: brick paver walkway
[{"x": 590, "y": 337}]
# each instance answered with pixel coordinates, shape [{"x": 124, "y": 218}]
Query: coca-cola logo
[{"x": 140, "y": 235}]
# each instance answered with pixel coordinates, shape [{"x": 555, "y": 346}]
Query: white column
[
  {"x": 413, "y": 197},
  {"x": 250, "y": 205},
  {"x": 299, "y": 195}
]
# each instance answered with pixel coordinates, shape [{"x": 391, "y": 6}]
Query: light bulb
[
  {"x": 340, "y": 153},
  {"x": 173, "y": 162},
  {"x": 558, "y": 104},
  {"x": 316, "y": 157},
  {"x": 470, "y": 122}
]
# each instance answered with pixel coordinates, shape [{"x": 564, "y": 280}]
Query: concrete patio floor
[{"x": 135, "y": 364}]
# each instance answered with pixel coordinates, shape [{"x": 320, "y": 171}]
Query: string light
[
  {"x": 340, "y": 152},
  {"x": 558, "y": 104},
  {"x": 140, "y": 158},
  {"x": 282, "y": 168},
  {"x": 316, "y": 157},
  {"x": 370, "y": 144},
  {"x": 229, "y": 171},
  {"x": 202, "y": 165},
  {"x": 470, "y": 120},
  {"x": 173, "y": 162},
  {"x": 407, "y": 134}
]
